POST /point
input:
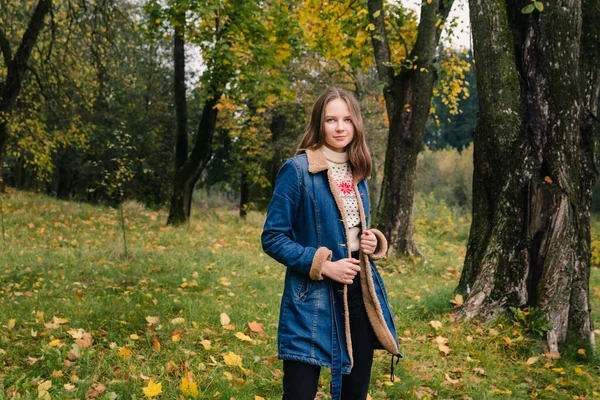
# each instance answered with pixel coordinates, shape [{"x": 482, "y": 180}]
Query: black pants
[{"x": 300, "y": 379}]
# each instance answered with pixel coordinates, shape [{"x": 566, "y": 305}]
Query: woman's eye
[
  {"x": 329, "y": 120},
  {"x": 348, "y": 120}
]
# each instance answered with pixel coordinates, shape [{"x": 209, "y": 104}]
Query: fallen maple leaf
[
  {"x": 233, "y": 359},
  {"x": 153, "y": 389},
  {"x": 457, "y": 301},
  {"x": 85, "y": 341},
  {"x": 189, "y": 387},
  {"x": 255, "y": 327},
  {"x": 124, "y": 352},
  {"x": 95, "y": 391}
]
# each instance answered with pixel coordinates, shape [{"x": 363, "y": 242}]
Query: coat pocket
[{"x": 303, "y": 288}]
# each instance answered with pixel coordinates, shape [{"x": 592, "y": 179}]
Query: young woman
[{"x": 334, "y": 309}]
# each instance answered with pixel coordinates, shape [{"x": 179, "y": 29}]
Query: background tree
[
  {"x": 407, "y": 94},
  {"x": 538, "y": 80},
  {"x": 15, "y": 66}
]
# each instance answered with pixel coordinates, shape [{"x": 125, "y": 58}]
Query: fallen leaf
[
  {"x": 479, "y": 371},
  {"x": 11, "y": 324},
  {"x": 225, "y": 320},
  {"x": 95, "y": 391},
  {"x": 155, "y": 343},
  {"x": 255, "y": 327},
  {"x": 444, "y": 348},
  {"x": 85, "y": 341},
  {"x": 189, "y": 387},
  {"x": 153, "y": 389},
  {"x": 54, "y": 343},
  {"x": 43, "y": 389},
  {"x": 133, "y": 336},
  {"x": 532, "y": 360},
  {"x": 493, "y": 332},
  {"x": 457, "y": 301},
  {"x": 206, "y": 344},
  {"x": 178, "y": 320},
  {"x": 243, "y": 337},
  {"x": 124, "y": 352},
  {"x": 152, "y": 320},
  {"x": 233, "y": 359},
  {"x": 436, "y": 324},
  {"x": 452, "y": 381}
]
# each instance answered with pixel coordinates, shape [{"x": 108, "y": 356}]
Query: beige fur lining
[
  {"x": 323, "y": 254},
  {"x": 382, "y": 245},
  {"x": 372, "y": 305}
]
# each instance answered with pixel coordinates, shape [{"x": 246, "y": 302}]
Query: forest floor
[{"x": 192, "y": 312}]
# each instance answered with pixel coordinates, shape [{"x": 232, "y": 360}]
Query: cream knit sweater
[{"x": 342, "y": 176}]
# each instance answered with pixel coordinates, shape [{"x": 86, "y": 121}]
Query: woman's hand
[
  {"x": 342, "y": 271},
  {"x": 368, "y": 243}
]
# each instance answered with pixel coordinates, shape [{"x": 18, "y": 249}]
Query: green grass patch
[{"x": 79, "y": 319}]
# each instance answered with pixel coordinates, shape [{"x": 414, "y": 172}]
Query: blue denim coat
[{"x": 305, "y": 226}]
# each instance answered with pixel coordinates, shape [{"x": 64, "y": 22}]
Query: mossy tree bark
[
  {"x": 529, "y": 243},
  {"x": 408, "y": 100}
]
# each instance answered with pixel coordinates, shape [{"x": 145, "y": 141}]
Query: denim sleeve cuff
[
  {"x": 323, "y": 254},
  {"x": 382, "y": 245}
]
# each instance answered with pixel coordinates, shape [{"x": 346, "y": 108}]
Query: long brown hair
[{"x": 314, "y": 137}]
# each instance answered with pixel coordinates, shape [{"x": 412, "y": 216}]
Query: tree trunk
[
  {"x": 243, "y": 195},
  {"x": 187, "y": 176},
  {"x": 529, "y": 243},
  {"x": 408, "y": 99},
  {"x": 16, "y": 68}
]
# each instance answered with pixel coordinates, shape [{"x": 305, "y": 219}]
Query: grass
[{"x": 158, "y": 314}]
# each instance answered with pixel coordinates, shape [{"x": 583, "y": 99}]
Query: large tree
[
  {"x": 538, "y": 82},
  {"x": 407, "y": 96},
  {"x": 16, "y": 67}
]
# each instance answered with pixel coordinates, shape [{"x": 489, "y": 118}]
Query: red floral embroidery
[{"x": 345, "y": 187}]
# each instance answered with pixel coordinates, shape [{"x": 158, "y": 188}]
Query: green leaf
[
  {"x": 539, "y": 6},
  {"x": 376, "y": 14},
  {"x": 528, "y": 9}
]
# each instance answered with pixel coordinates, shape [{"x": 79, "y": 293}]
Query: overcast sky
[{"x": 460, "y": 10}]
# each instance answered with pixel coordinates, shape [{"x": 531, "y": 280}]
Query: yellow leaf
[
  {"x": 155, "y": 343},
  {"x": 259, "y": 398},
  {"x": 152, "y": 320},
  {"x": 243, "y": 337},
  {"x": 189, "y": 387},
  {"x": 579, "y": 371},
  {"x": 178, "y": 320},
  {"x": 225, "y": 320},
  {"x": 228, "y": 375},
  {"x": 233, "y": 359},
  {"x": 206, "y": 344},
  {"x": 133, "y": 336},
  {"x": 153, "y": 389},
  {"x": 494, "y": 332},
  {"x": 124, "y": 352},
  {"x": 581, "y": 351},
  {"x": 532, "y": 360},
  {"x": 54, "y": 343},
  {"x": 457, "y": 301},
  {"x": 11, "y": 323}
]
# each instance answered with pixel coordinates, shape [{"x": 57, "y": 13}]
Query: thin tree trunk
[
  {"x": 529, "y": 243},
  {"x": 408, "y": 99},
  {"x": 243, "y": 195},
  {"x": 16, "y": 68}
]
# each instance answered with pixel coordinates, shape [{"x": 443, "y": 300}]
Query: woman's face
[{"x": 337, "y": 125}]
